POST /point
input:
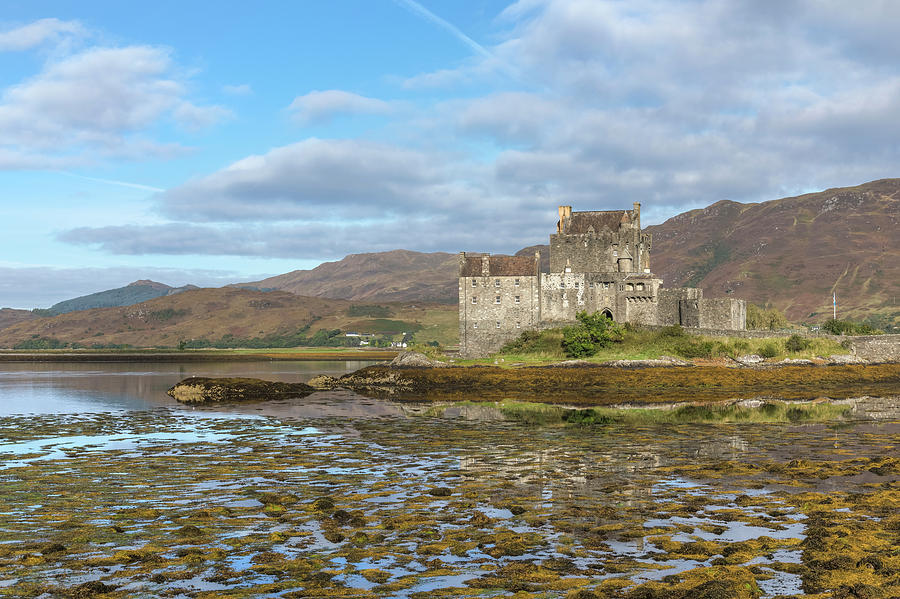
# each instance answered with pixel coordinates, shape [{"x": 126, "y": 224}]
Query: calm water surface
[{"x": 77, "y": 388}]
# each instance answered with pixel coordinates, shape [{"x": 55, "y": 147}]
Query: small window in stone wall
[
  {"x": 474, "y": 299},
  {"x": 518, "y": 325},
  {"x": 498, "y": 324},
  {"x": 562, "y": 284},
  {"x": 496, "y": 282},
  {"x": 516, "y": 283},
  {"x": 629, "y": 287},
  {"x": 576, "y": 284},
  {"x": 639, "y": 286},
  {"x": 518, "y": 299},
  {"x": 474, "y": 283},
  {"x": 606, "y": 285},
  {"x": 474, "y": 325},
  {"x": 591, "y": 285},
  {"x": 497, "y": 300}
]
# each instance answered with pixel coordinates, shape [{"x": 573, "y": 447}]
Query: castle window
[
  {"x": 518, "y": 298},
  {"x": 474, "y": 299},
  {"x": 517, "y": 282},
  {"x": 591, "y": 285},
  {"x": 576, "y": 284},
  {"x": 639, "y": 286},
  {"x": 474, "y": 325},
  {"x": 606, "y": 285},
  {"x": 474, "y": 283},
  {"x": 562, "y": 284},
  {"x": 498, "y": 324},
  {"x": 615, "y": 253},
  {"x": 629, "y": 287},
  {"x": 497, "y": 300},
  {"x": 518, "y": 325},
  {"x": 496, "y": 282}
]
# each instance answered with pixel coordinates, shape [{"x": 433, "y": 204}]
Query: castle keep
[{"x": 599, "y": 262}]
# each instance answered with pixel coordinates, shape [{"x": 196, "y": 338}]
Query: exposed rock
[
  {"x": 845, "y": 359},
  {"x": 323, "y": 382},
  {"x": 198, "y": 389},
  {"x": 751, "y": 359},
  {"x": 796, "y": 361},
  {"x": 413, "y": 358}
]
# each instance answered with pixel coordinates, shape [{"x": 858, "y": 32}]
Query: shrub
[
  {"x": 765, "y": 318},
  {"x": 593, "y": 332},
  {"x": 796, "y": 343},
  {"x": 848, "y": 327},
  {"x": 695, "y": 348},
  {"x": 769, "y": 350}
]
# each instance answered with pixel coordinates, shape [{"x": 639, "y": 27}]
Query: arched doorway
[{"x": 607, "y": 314}]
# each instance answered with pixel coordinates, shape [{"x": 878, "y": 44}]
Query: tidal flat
[{"x": 339, "y": 496}]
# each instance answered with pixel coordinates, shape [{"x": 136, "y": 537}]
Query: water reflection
[{"x": 75, "y": 388}]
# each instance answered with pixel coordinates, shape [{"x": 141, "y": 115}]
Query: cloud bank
[{"x": 597, "y": 104}]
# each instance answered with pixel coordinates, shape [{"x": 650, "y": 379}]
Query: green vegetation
[
  {"x": 635, "y": 343},
  {"x": 371, "y": 310},
  {"x": 772, "y": 411},
  {"x": 717, "y": 253},
  {"x": 37, "y": 342},
  {"x": 166, "y": 314},
  {"x": 765, "y": 319},
  {"x": 848, "y": 327},
  {"x": 592, "y": 333}
]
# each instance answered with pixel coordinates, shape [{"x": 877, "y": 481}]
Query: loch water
[{"x": 109, "y": 486}]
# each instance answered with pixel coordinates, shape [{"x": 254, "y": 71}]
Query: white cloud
[
  {"x": 673, "y": 104},
  {"x": 38, "y": 33},
  {"x": 318, "y": 107},
  {"x": 97, "y": 102}
]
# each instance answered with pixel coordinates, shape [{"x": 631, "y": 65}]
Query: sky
[{"x": 216, "y": 142}]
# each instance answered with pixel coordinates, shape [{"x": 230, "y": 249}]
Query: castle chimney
[
  {"x": 564, "y": 213},
  {"x": 637, "y": 214},
  {"x": 486, "y": 265}
]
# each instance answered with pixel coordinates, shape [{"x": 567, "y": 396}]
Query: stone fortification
[{"x": 599, "y": 262}]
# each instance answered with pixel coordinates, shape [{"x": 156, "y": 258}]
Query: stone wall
[
  {"x": 723, "y": 314},
  {"x": 878, "y": 348},
  {"x": 503, "y": 307}
]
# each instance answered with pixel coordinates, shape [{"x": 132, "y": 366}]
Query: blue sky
[{"x": 210, "y": 143}]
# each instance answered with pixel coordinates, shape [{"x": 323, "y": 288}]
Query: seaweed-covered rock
[
  {"x": 412, "y": 358},
  {"x": 198, "y": 389}
]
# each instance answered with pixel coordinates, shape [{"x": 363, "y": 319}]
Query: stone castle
[{"x": 599, "y": 262}]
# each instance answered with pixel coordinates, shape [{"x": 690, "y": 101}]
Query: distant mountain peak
[{"x": 149, "y": 283}]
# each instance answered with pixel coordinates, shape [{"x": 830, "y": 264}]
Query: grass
[
  {"x": 769, "y": 412},
  {"x": 644, "y": 344}
]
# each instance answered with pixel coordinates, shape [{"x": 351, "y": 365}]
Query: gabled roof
[
  {"x": 500, "y": 266},
  {"x": 580, "y": 222}
]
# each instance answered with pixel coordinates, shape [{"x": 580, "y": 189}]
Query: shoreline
[
  {"x": 196, "y": 356},
  {"x": 598, "y": 386}
]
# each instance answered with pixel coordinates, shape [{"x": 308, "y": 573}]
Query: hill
[
  {"x": 793, "y": 252},
  {"x": 229, "y": 316},
  {"x": 133, "y": 293},
  {"x": 395, "y": 276},
  {"x": 11, "y": 316}
]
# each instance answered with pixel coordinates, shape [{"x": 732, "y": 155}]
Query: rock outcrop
[{"x": 196, "y": 390}]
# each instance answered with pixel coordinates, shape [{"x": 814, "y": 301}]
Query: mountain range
[{"x": 793, "y": 253}]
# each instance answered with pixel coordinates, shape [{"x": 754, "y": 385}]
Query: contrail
[
  {"x": 415, "y": 7},
  {"x": 112, "y": 181}
]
